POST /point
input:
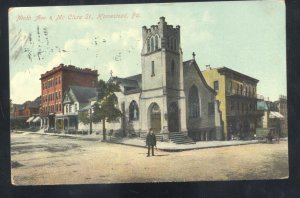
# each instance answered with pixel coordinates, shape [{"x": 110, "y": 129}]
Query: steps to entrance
[
  {"x": 180, "y": 138},
  {"x": 175, "y": 137}
]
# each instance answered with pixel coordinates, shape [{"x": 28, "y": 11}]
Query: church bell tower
[{"x": 162, "y": 103}]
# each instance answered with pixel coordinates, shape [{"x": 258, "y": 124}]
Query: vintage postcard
[{"x": 139, "y": 93}]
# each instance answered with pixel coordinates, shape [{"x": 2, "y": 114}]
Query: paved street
[{"x": 43, "y": 159}]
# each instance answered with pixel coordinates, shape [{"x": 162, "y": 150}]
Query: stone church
[{"x": 170, "y": 96}]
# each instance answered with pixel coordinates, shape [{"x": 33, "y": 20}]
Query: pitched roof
[
  {"x": 83, "y": 94},
  {"x": 131, "y": 84},
  {"x": 36, "y": 103},
  {"x": 188, "y": 65}
]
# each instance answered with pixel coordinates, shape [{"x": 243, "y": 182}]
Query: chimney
[{"x": 208, "y": 67}]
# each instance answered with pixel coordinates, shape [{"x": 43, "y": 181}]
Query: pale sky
[{"x": 248, "y": 37}]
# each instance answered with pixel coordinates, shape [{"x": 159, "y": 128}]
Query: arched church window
[
  {"x": 194, "y": 107},
  {"x": 133, "y": 111},
  {"x": 168, "y": 42},
  {"x": 173, "y": 68},
  {"x": 156, "y": 42},
  {"x": 148, "y": 45},
  {"x": 152, "y": 44},
  {"x": 171, "y": 43}
]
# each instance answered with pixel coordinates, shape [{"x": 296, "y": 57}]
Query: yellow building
[{"x": 236, "y": 93}]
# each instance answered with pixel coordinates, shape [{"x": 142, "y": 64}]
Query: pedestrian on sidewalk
[{"x": 150, "y": 141}]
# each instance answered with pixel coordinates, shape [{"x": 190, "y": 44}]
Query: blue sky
[{"x": 248, "y": 37}]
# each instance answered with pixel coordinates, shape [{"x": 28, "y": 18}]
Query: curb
[
  {"x": 61, "y": 135},
  {"x": 185, "y": 149},
  {"x": 135, "y": 145},
  {"x": 208, "y": 147}
]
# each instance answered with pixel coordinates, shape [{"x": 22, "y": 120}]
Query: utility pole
[{"x": 91, "y": 124}]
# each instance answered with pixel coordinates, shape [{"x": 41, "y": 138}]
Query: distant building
[
  {"x": 27, "y": 109},
  {"x": 282, "y": 108},
  {"x": 55, "y": 82},
  {"x": 237, "y": 95},
  {"x": 271, "y": 119}
]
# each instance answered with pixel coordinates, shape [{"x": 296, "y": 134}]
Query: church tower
[{"x": 162, "y": 102}]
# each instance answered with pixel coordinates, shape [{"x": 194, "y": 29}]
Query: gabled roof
[
  {"x": 82, "y": 94},
  {"x": 131, "y": 84},
  {"x": 36, "y": 103},
  {"x": 188, "y": 65}
]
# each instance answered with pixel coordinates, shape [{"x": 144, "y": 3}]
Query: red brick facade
[
  {"x": 24, "y": 110},
  {"x": 55, "y": 82}
]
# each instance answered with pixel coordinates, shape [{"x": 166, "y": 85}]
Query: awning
[
  {"x": 37, "y": 119},
  {"x": 30, "y": 119},
  {"x": 274, "y": 114}
]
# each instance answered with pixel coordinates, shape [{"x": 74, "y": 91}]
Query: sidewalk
[
  {"x": 164, "y": 146},
  {"x": 172, "y": 147}
]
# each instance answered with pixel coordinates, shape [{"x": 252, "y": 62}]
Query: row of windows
[
  {"x": 242, "y": 90},
  {"x": 239, "y": 89},
  {"x": 152, "y": 43},
  {"x": 52, "y": 108},
  {"x": 172, "y": 43},
  {"x": 239, "y": 106},
  {"x": 51, "y": 83},
  {"x": 70, "y": 109},
  {"x": 53, "y": 96}
]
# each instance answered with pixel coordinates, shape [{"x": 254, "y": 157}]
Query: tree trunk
[
  {"x": 91, "y": 127},
  {"x": 104, "y": 130}
]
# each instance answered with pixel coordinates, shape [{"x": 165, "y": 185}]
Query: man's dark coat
[{"x": 151, "y": 139}]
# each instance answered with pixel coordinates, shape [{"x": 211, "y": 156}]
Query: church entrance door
[
  {"x": 173, "y": 121},
  {"x": 155, "y": 118}
]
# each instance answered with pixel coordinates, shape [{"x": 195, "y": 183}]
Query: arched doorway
[
  {"x": 173, "y": 121},
  {"x": 155, "y": 117}
]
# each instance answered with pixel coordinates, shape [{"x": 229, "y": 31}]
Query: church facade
[{"x": 170, "y": 95}]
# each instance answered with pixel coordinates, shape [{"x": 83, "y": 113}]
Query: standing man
[{"x": 150, "y": 141}]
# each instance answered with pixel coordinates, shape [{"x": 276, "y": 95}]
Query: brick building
[
  {"x": 27, "y": 109},
  {"x": 53, "y": 85}
]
